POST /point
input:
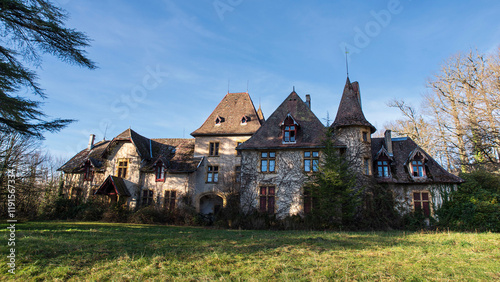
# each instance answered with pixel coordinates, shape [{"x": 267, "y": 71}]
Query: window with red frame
[
  {"x": 88, "y": 173},
  {"x": 170, "y": 196},
  {"x": 267, "y": 199},
  {"x": 160, "y": 171},
  {"x": 289, "y": 130},
  {"x": 421, "y": 203},
  {"x": 417, "y": 167}
]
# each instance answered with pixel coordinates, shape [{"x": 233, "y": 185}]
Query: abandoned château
[{"x": 266, "y": 160}]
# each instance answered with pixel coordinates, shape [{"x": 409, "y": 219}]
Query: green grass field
[{"x": 103, "y": 251}]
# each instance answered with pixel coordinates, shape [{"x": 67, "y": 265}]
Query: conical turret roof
[{"x": 350, "y": 112}]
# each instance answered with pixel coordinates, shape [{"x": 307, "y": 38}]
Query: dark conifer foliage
[{"x": 29, "y": 29}]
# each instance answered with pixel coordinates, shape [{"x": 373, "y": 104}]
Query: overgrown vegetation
[
  {"x": 475, "y": 205},
  {"x": 108, "y": 252}
]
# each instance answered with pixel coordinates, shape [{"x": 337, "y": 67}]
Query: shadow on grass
[{"x": 86, "y": 244}]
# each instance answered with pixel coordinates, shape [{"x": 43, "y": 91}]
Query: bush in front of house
[{"x": 475, "y": 205}]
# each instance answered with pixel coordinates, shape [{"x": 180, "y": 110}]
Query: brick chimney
[
  {"x": 91, "y": 141},
  {"x": 308, "y": 100},
  {"x": 388, "y": 142}
]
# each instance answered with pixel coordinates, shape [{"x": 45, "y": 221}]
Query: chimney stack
[
  {"x": 388, "y": 141},
  {"x": 308, "y": 100},
  {"x": 91, "y": 141}
]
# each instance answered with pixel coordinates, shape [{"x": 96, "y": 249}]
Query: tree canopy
[{"x": 31, "y": 28}]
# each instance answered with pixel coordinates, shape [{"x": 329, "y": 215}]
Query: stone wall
[{"x": 288, "y": 179}]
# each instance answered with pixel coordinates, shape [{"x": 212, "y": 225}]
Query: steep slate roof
[
  {"x": 350, "y": 112},
  {"x": 269, "y": 136},
  {"x": 76, "y": 163},
  {"x": 182, "y": 159},
  {"x": 142, "y": 144},
  {"x": 402, "y": 148},
  {"x": 176, "y": 154},
  {"x": 232, "y": 108}
]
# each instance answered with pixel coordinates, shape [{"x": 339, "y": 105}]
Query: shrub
[
  {"x": 475, "y": 205},
  {"x": 116, "y": 213},
  {"x": 148, "y": 215}
]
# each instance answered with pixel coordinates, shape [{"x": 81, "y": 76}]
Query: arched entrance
[{"x": 211, "y": 204}]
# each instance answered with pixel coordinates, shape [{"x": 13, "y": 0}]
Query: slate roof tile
[
  {"x": 310, "y": 132},
  {"x": 232, "y": 108}
]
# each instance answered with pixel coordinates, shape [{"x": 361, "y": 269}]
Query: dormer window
[
  {"x": 417, "y": 164},
  {"x": 88, "y": 173},
  {"x": 290, "y": 127},
  {"x": 417, "y": 168},
  {"x": 383, "y": 169},
  {"x": 383, "y": 162},
  {"x": 219, "y": 120},
  {"x": 159, "y": 171},
  {"x": 244, "y": 120}
]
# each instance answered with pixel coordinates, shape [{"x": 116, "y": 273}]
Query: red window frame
[
  {"x": 421, "y": 202},
  {"x": 417, "y": 168},
  {"x": 159, "y": 172},
  {"x": 267, "y": 199},
  {"x": 88, "y": 173}
]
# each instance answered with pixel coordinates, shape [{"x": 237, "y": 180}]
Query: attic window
[
  {"x": 244, "y": 120},
  {"x": 219, "y": 120},
  {"x": 417, "y": 165},
  {"x": 159, "y": 171},
  {"x": 289, "y": 126}
]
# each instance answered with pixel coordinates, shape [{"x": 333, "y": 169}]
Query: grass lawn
[{"x": 104, "y": 251}]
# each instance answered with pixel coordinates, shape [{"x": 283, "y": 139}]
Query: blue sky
[{"x": 165, "y": 65}]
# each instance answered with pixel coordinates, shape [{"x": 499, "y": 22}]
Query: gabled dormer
[
  {"x": 219, "y": 120},
  {"x": 383, "y": 161},
  {"x": 289, "y": 129},
  {"x": 245, "y": 120},
  {"x": 416, "y": 163},
  {"x": 291, "y": 125}
]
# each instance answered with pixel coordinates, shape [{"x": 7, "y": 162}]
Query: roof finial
[
  {"x": 228, "y": 86},
  {"x": 247, "y": 86},
  {"x": 346, "y": 63},
  {"x": 294, "y": 88}
]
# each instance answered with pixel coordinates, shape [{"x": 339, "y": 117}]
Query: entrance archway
[{"x": 211, "y": 204}]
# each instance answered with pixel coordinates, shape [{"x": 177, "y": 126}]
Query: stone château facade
[{"x": 266, "y": 161}]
